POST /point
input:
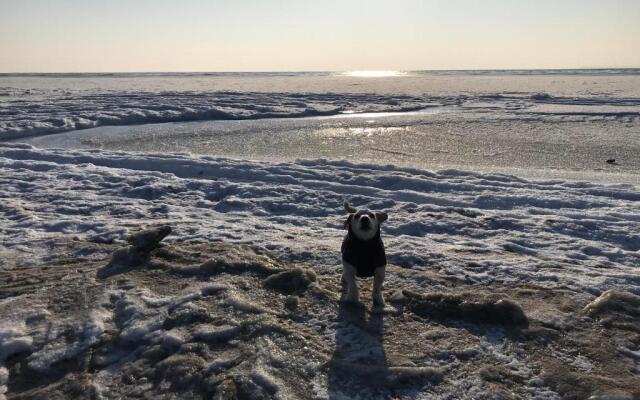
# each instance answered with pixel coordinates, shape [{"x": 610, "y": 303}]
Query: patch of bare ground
[{"x": 226, "y": 321}]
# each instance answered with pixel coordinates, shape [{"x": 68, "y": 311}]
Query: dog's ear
[
  {"x": 348, "y": 208},
  {"x": 381, "y": 216},
  {"x": 347, "y": 222}
]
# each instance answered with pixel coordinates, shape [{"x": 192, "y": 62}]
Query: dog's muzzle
[{"x": 365, "y": 223}]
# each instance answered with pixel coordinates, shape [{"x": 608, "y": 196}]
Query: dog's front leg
[
  {"x": 378, "y": 280},
  {"x": 349, "y": 277}
]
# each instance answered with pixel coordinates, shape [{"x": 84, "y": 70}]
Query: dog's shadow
[{"x": 359, "y": 362}]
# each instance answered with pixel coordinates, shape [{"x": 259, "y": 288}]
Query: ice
[
  {"x": 29, "y": 329},
  {"x": 84, "y": 110},
  {"x": 58, "y": 348},
  {"x": 51, "y": 111},
  {"x": 15, "y": 335}
]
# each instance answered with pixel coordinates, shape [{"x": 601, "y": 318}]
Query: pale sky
[{"x": 329, "y": 35}]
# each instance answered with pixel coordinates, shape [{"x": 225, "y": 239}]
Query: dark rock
[
  {"x": 509, "y": 311},
  {"x": 149, "y": 239},
  {"x": 290, "y": 281},
  {"x": 136, "y": 254}
]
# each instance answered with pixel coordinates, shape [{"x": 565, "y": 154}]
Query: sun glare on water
[{"x": 374, "y": 74}]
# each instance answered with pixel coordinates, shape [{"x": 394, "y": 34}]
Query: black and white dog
[{"x": 363, "y": 252}]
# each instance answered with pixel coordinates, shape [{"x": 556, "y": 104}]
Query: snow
[
  {"x": 27, "y": 327},
  {"x": 82, "y": 110},
  {"x": 474, "y": 229},
  {"x": 470, "y": 226},
  {"x": 14, "y": 333},
  {"x": 57, "y": 348},
  {"x": 47, "y": 111}
]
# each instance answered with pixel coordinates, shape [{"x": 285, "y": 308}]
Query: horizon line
[{"x": 325, "y": 71}]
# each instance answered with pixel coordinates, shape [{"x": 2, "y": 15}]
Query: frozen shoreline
[
  {"x": 39, "y": 105},
  {"x": 28, "y": 117}
]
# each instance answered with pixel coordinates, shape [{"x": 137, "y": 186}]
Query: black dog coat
[{"x": 364, "y": 255}]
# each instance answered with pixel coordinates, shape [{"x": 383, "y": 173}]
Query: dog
[{"x": 363, "y": 253}]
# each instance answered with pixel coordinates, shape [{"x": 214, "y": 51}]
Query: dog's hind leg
[
  {"x": 349, "y": 277},
  {"x": 378, "y": 280}
]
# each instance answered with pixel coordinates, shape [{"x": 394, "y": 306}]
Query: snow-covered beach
[
  {"x": 296, "y": 208},
  {"x": 215, "y": 312},
  {"x": 454, "y": 232}
]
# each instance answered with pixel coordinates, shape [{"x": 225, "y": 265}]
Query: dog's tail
[{"x": 348, "y": 208}]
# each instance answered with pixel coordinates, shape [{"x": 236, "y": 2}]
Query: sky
[{"x": 321, "y": 35}]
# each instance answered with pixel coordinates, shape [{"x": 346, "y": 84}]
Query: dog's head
[{"x": 363, "y": 223}]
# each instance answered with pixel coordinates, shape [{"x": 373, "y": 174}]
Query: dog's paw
[
  {"x": 349, "y": 298},
  {"x": 378, "y": 301}
]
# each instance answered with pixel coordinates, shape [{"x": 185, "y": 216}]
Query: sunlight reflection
[{"x": 374, "y": 74}]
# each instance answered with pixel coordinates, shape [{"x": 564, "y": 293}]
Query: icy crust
[
  {"x": 167, "y": 329},
  {"x": 45, "y": 115},
  {"x": 472, "y": 227},
  {"x": 53, "y": 112},
  {"x": 162, "y": 329},
  {"x": 28, "y": 328}
]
